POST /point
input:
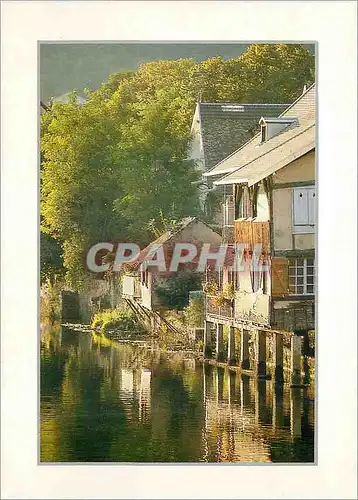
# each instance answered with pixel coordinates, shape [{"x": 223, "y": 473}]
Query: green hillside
[{"x": 64, "y": 67}]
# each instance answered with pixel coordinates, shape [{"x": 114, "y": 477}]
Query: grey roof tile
[
  {"x": 253, "y": 158},
  {"x": 226, "y": 126}
]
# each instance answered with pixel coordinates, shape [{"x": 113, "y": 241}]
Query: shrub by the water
[
  {"x": 194, "y": 313},
  {"x": 116, "y": 319}
]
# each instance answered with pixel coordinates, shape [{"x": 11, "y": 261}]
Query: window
[
  {"x": 144, "y": 277},
  {"x": 304, "y": 209},
  {"x": 301, "y": 276},
  {"x": 263, "y": 133},
  {"x": 244, "y": 208},
  {"x": 229, "y": 211},
  {"x": 256, "y": 280},
  {"x": 259, "y": 275}
]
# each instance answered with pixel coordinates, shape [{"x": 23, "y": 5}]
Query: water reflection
[{"x": 101, "y": 401}]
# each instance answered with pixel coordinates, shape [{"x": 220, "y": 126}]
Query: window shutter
[
  {"x": 312, "y": 206},
  {"x": 279, "y": 276},
  {"x": 300, "y": 207}
]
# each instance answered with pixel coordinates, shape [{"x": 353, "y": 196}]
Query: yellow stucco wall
[
  {"x": 252, "y": 307},
  {"x": 263, "y": 211},
  {"x": 282, "y": 219},
  {"x": 303, "y": 241},
  {"x": 302, "y": 169}
]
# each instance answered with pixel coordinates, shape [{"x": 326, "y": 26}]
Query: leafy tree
[
  {"x": 173, "y": 292},
  {"x": 51, "y": 264},
  {"x": 268, "y": 73}
]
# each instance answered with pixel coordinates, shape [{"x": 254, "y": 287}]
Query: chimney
[{"x": 304, "y": 89}]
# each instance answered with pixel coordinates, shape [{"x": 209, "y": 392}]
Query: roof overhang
[
  {"x": 226, "y": 181},
  {"x": 283, "y": 163},
  {"x": 250, "y": 180},
  {"x": 222, "y": 172}
]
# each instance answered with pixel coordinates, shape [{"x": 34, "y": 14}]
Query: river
[{"x": 102, "y": 401}]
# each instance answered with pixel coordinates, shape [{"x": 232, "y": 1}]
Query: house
[
  {"x": 219, "y": 129},
  {"x": 270, "y": 200},
  {"x": 140, "y": 281}
]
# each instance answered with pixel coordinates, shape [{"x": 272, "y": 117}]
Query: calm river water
[{"x": 107, "y": 402}]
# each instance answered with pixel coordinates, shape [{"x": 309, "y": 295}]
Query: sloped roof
[
  {"x": 163, "y": 239},
  {"x": 255, "y": 160},
  {"x": 226, "y": 126},
  {"x": 168, "y": 235}
]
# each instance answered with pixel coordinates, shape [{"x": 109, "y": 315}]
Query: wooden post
[
  {"x": 231, "y": 359},
  {"x": 219, "y": 342},
  {"x": 244, "y": 354},
  {"x": 207, "y": 340},
  {"x": 278, "y": 357},
  {"x": 260, "y": 361},
  {"x": 296, "y": 343}
]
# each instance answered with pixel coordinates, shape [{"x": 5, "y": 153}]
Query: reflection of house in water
[
  {"x": 135, "y": 388},
  {"x": 144, "y": 395},
  {"x": 244, "y": 416},
  {"x": 127, "y": 381}
]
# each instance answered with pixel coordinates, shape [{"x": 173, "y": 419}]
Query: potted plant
[
  {"x": 211, "y": 288},
  {"x": 221, "y": 301},
  {"x": 229, "y": 291}
]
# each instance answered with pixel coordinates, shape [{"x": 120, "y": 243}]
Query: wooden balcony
[{"x": 251, "y": 233}]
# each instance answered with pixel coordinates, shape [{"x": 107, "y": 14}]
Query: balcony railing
[{"x": 225, "y": 311}]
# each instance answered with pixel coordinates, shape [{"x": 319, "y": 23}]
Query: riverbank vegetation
[
  {"x": 120, "y": 321},
  {"x": 194, "y": 313},
  {"x": 113, "y": 167}
]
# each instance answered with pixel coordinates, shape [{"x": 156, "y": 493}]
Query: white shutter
[
  {"x": 300, "y": 207},
  {"x": 312, "y": 206}
]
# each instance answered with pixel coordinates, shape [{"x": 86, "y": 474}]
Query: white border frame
[{"x": 333, "y": 25}]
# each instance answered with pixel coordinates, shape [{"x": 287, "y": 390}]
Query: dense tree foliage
[
  {"x": 173, "y": 292},
  {"x": 51, "y": 264},
  {"x": 116, "y": 164}
]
